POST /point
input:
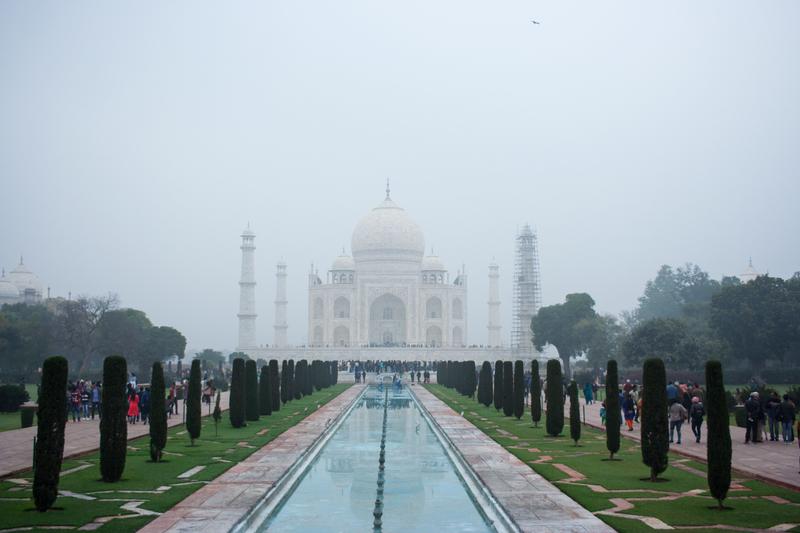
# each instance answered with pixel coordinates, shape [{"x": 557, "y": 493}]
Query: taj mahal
[{"x": 391, "y": 297}]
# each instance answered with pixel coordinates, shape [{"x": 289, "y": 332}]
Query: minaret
[
  {"x": 495, "y": 336},
  {"x": 527, "y": 289},
  {"x": 280, "y": 306},
  {"x": 247, "y": 292}
]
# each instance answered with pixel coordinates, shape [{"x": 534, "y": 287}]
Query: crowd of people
[{"x": 83, "y": 400}]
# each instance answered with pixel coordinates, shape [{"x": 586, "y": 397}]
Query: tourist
[
  {"x": 588, "y": 394},
  {"x": 412, "y": 376},
  {"x": 753, "y": 408},
  {"x": 628, "y": 410},
  {"x": 772, "y": 407},
  {"x": 672, "y": 393},
  {"x": 144, "y": 405},
  {"x": 427, "y": 376},
  {"x": 787, "y": 414},
  {"x": 696, "y": 414},
  {"x": 96, "y": 399},
  {"x": 627, "y": 387},
  {"x": 603, "y": 413},
  {"x": 677, "y": 414},
  {"x": 85, "y": 400},
  {"x": 75, "y": 403},
  {"x": 133, "y": 406}
]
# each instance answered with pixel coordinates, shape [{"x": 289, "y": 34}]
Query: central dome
[{"x": 387, "y": 232}]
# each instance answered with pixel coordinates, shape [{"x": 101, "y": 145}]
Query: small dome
[
  {"x": 343, "y": 262},
  {"x": 749, "y": 274},
  {"x": 432, "y": 262},
  {"x": 388, "y": 231},
  {"x": 24, "y": 279}
]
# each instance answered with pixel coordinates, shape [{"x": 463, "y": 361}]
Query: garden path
[{"x": 16, "y": 446}]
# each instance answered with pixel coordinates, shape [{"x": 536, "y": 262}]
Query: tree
[
  {"x": 276, "y": 387},
  {"x": 124, "y": 331},
  {"x": 238, "y": 355},
  {"x": 536, "y": 394},
  {"x": 519, "y": 389},
  {"x": 498, "y": 385},
  {"x": 217, "y": 415},
  {"x": 677, "y": 293},
  {"x": 719, "y": 433},
  {"x": 165, "y": 342},
  {"x": 655, "y": 441},
  {"x": 557, "y": 325},
  {"x": 508, "y": 388},
  {"x": 114, "y": 423},
  {"x": 601, "y": 336},
  {"x": 613, "y": 413},
  {"x": 290, "y": 380},
  {"x": 554, "y": 393},
  {"x": 27, "y": 334},
  {"x": 158, "y": 413},
  {"x": 760, "y": 320},
  {"x": 78, "y": 321},
  {"x": 49, "y": 450},
  {"x": 251, "y": 390},
  {"x": 237, "y": 394},
  {"x": 662, "y": 338},
  {"x": 469, "y": 378},
  {"x": 193, "y": 411},
  {"x": 284, "y": 381},
  {"x": 212, "y": 357},
  {"x": 574, "y": 412},
  {"x": 299, "y": 379},
  {"x": 485, "y": 384},
  {"x": 265, "y": 392}
]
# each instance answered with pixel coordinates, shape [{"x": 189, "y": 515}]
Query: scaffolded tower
[{"x": 527, "y": 289}]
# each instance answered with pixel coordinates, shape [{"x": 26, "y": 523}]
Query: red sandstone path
[
  {"x": 16, "y": 446},
  {"x": 770, "y": 461}
]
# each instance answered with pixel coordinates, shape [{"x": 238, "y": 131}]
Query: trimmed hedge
[
  {"x": 536, "y": 393},
  {"x": 265, "y": 392},
  {"x": 275, "y": 385},
  {"x": 554, "y": 421},
  {"x": 251, "y": 390},
  {"x": 519, "y": 389},
  {"x": 574, "y": 412},
  {"x": 508, "y": 388},
  {"x": 718, "y": 444},
  {"x": 158, "y": 413},
  {"x": 49, "y": 450},
  {"x": 11, "y": 397},
  {"x": 193, "y": 398},
  {"x": 114, "y": 422},
  {"x": 655, "y": 425},
  {"x": 498, "y": 385},
  {"x": 613, "y": 413},
  {"x": 237, "y": 398},
  {"x": 485, "y": 384}
]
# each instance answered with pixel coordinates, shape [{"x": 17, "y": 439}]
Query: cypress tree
[
  {"x": 519, "y": 389},
  {"x": 334, "y": 373},
  {"x": 485, "y": 385},
  {"x": 158, "y": 413},
  {"x": 574, "y": 412},
  {"x": 237, "y": 398},
  {"x": 275, "y": 385},
  {"x": 49, "y": 450},
  {"x": 469, "y": 377},
  {"x": 193, "y": 411},
  {"x": 299, "y": 380},
  {"x": 251, "y": 390},
  {"x": 498, "y": 385},
  {"x": 217, "y": 414},
  {"x": 290, "y": 380},
  {"x": 536, "y": 394},
  {"x": 508, "y": 388},
  {"x": 718, "y": 443},
  {"x": 114, "y": 422},
  {"x": 309, "y": 384},
  {"x": 284, "y": 384},
  {"x": 264, "y": 393},
  {"x": 655, "y": 428},
  {"x": 554, "y": 419},
  {"x": 613, "y": 414}
]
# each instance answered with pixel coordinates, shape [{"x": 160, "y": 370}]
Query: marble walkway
[
  {"x": 223, "y": 502},
  {"x": 774, "y": 462},
  {"x": 530, "y": 500},
  {"x": 16, "y": 446}
]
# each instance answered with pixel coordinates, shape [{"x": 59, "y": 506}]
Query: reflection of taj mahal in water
[{"x": 390, "y": 295}]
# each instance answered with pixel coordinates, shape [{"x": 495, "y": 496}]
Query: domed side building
[
  {"x": 388, "y": 293},
  {"x": 20, "y": 286}
]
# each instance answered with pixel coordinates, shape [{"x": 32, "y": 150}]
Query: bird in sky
[{"x": 534, "y": 21}]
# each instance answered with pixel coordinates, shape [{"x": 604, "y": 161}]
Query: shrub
[
  {"x": 275, "y": 385},
  {"x": 158, "y": 413},
  {"x": 536, "y": 393},
  {"x": 498, "y": 385},
  {"x": 299, "y": 379},
  {"x": 237, "y": 398},
  {"x": 485, "y": 384},
  {"x": 574, "y": 412},
  {"x": 265, "y": 392},
  {"x": 519, "y": 389},
  {"x": 719, "y": 434},
  {"x": 554, "y": 419},
  {"x": 26, "y": 414},
  {"x": 284, "y": 384},
  {"x": 251, "y": 390},
  {"x": 49, "y": 450},
  {"x": 655, "y": 427},
  {"x": 114, "y": 423},
  {"x": 469, "y": 378},
  {"x": 613, "y": 414},
  {"x": 193, "y": 407},
  {"x": 11, "y": 397},
  {"x": 508, "y": 388},
  {"x": 290, "y": 380}
]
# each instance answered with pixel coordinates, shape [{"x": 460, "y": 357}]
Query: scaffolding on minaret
[{"x": 527, "y": 289}]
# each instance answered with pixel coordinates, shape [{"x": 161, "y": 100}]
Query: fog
[{"x": 137, "y": 140}]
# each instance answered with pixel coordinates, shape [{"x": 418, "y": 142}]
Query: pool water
[{"x": 422, "y": 490}]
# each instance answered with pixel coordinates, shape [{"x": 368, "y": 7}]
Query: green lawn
[
  {"x": 156, "y": 485},
  {"x": 625, "y": 477},
  {"x": 12, "y": 420}
]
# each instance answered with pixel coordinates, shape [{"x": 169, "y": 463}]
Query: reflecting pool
[{"x": 422, "y": 491}]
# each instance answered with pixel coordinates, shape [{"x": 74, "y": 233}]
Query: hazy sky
[{"x": 138, "y": 139}]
